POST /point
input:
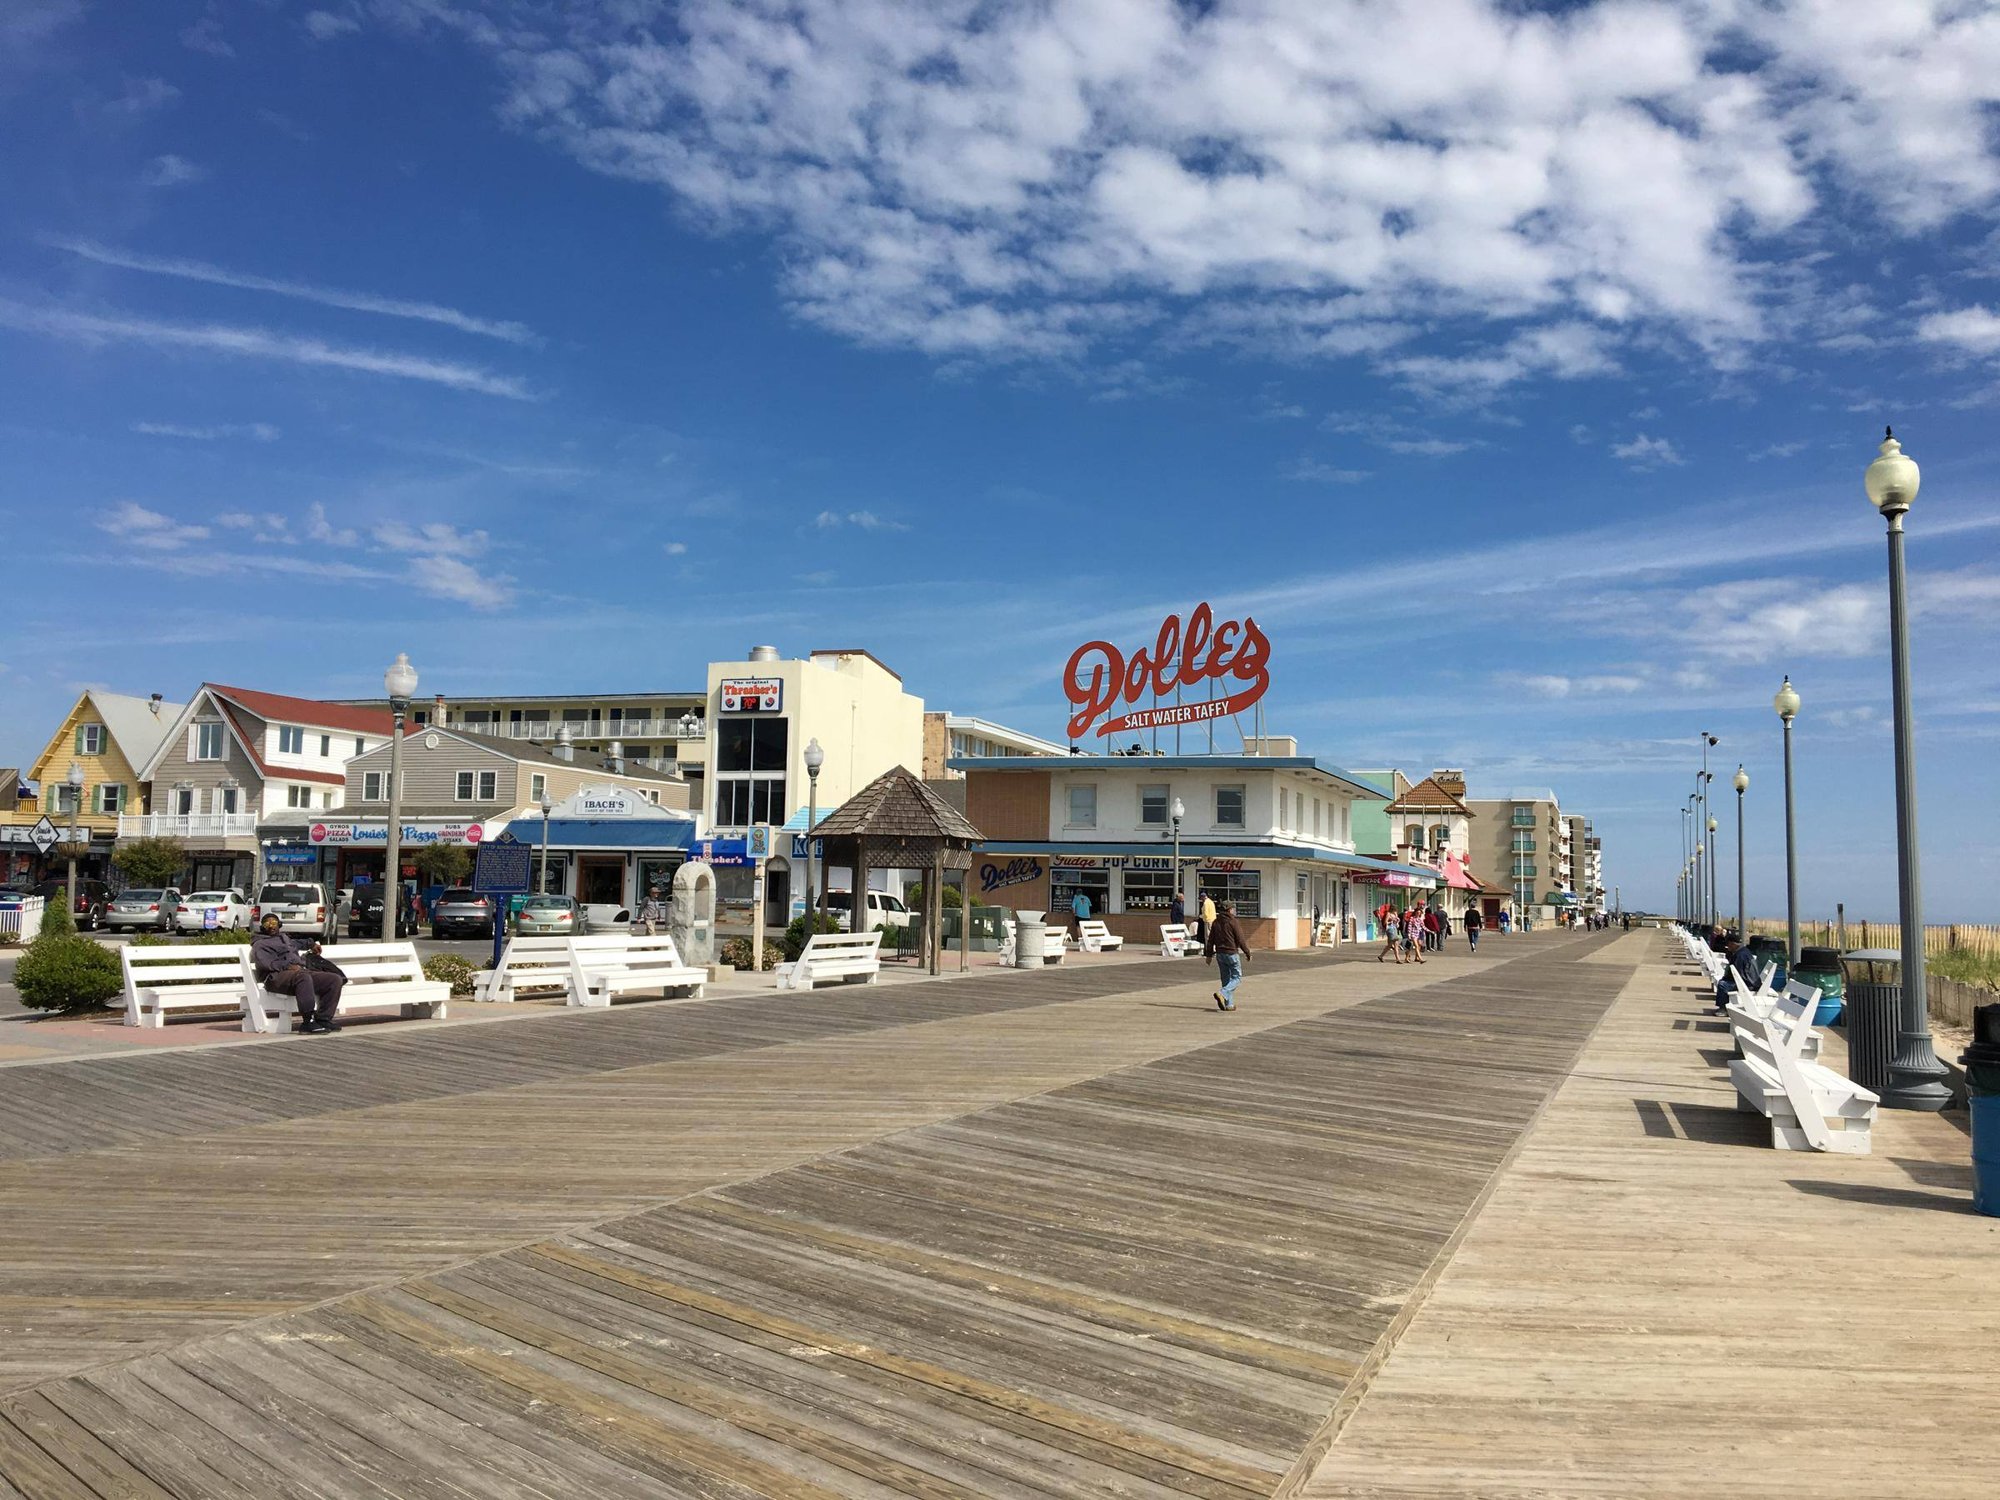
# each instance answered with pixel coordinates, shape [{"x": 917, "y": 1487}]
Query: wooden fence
[{"x": 1957, "y": 937}]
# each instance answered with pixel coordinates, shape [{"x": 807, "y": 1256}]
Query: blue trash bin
[{"x": 1985, "y": 1153}]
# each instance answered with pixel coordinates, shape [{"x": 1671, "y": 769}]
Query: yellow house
[{"x": 107, "y": 736}]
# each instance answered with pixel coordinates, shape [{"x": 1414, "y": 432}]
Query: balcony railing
[
  {"x": 204, "y": 825},
  {"x": 590, "y": 729}
]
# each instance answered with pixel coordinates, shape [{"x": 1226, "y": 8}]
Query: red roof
[
  {"x": 282, "y": 773},
  {"x": 1428, "y": 796},
  {"x": 310, "y": 711}
]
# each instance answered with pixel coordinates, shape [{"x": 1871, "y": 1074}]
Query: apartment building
[
  {"x": 1523, "y": 839},
  {"x": 659, "y": 731},
  {"x": 949, "y": 737},
  {"x": 1586, "y": 854}
]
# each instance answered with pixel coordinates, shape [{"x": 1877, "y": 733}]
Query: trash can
[
  {"x": 1820, "y": 968},
  {"x": 1030, "y": 938},
  {"x": 1771, "y": 950},
  {"x": 1874, "y": 984},
  {"x": 1982, "y": 1097}
]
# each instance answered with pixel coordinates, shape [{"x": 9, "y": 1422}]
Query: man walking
[
  {"x": 1225, "y": 944},
  {"x": 1177, "y": 910},
  {"x": 280, "y": 961},
  {"x": 652, "y": 913},
  {"x": 1474, "y": 922}
]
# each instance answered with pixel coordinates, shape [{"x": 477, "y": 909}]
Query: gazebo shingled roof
[{"x": 898, "y": 822}]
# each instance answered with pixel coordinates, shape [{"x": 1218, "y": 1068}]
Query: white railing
[
  {"x": 208, "y": 825},
  {"x": 593, "y": 729},
  {"x": 20, "y": 920}
]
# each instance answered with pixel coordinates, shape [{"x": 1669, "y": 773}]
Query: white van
[{"x": 884, "y": 910}]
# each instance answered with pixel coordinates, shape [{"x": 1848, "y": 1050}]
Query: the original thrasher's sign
[{"x": 1100, "y": 678}]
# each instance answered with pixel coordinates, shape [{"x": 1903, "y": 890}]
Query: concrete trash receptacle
[
  {"x": 1030, "y": 939},
  {"x": 1874, "y": 1003}
]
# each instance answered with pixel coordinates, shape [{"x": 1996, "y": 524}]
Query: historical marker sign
[{"x": 502, "y": 868}]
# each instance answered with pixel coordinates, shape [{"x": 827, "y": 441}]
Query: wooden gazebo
[{"x": 897, "y": 821}]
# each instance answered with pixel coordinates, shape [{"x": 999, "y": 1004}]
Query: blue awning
[
  {"x": 1193, "y": 850},
  {"x": 607, "y": 833}
]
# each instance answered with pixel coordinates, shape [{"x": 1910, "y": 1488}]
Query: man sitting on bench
[
  {"x": 290, "y": 967},
  {"x": 1741, "y": 974}
]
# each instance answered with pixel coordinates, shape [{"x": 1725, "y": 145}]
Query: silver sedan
[{"x": 551, "y": 916}]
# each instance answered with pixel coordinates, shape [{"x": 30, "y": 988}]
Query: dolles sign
[{"x": 1179, "y": 658}]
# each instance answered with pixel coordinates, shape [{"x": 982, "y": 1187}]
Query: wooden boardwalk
[
  {"x": 1048, "y": 1235},
  {"x": 1654, "y": 1304}
]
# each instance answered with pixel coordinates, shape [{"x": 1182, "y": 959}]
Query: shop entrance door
[{"x": 600, "y": 880}]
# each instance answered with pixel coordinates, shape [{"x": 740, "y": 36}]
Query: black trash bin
[
  {"x": 1874, "y": 1001},
  {"x": 1820, "y": 968}
]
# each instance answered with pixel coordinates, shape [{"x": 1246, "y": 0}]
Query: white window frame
[
  {"x": 1165, "y": 792},
  {"x": 360, "y": 745},
  {"x": 91, "y": 739},
  {"x": 110, "y": 798},
  {"x": 538, "y": 786},
  {"x": 374, "y": 786},
  {"x": 1242, "y": 819},
  {"x": 198, "y": 733},
  {"x": 291, "y": 740},
  {"x": 462, "y": 786},
  {"x": 298, "y": 796},
  {"x": 326, "y": 747},
  {"x": 1070, "y": 819},
  {"x": 489, "y": 786}
]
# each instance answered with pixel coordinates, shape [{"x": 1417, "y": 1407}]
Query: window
[
  {"x": 1149, "y": 889},
  {"x": 489, "y": 785},
  {"x": 183, "y": 800},
  {"x": 374, "y": 786},
  {"x": 90, "y": 739},
  {"x": 326, "y": 744},
  {"x": 1244, "y": 887},
  {"x": 1154, "y": 802},
  {"x": 1284, "y": 809},
  {"x": 1082, "y": 807},
  {"x": 1524, "y": 817},
  {"x": 743, "y": 800},
  {"x": 291, "y": 740},
  {"x": 1229, "y": 806},
  {"x": 359, "y": 744},
  {"x": 748, "y": 743},
  {"x": 63, "y": 798},
  {"x": 1413, "y": 835},
  {"x": 1316, "y": 825},
  {"x": 228, "y": 795},
  {"x": 1524, "y": 869},
  {"x": 111, "y": 798},
  {"x": 1524, "y": 843},
  {"x": 1440, "y": 835},
  {"x": 298, "y": 796},
  {"x": 206, "y": 741},
  {"x": 483, "y": 786},
  {"x": 1066, "y": 881},
  {"x": 326, "y": 799},
  {"x": 757, "y": 751},
  {"x": 538, "y": 786}
]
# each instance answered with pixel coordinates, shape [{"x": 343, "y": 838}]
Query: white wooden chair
[
  {"x": 843, "y": 956},
  {"x": 186, "y": 976},
  {"x": 1095, "y": 937},
  {"x": 1177, "y": 940},
  {"x": 1810, "y": 1107},
  {"x": 529, "y": 963},
  {"x": 603, "y": 968},
  {"x": 380, "y": 977}
]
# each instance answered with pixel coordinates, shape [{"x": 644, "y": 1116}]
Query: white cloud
[
  {"x": 141, "y": 96},
  {"x": 1555, "y": 686},
  {"x": 1779, "y": 450},
  {"x": 325, "y": 25},
  {"x": 320, "y": 529},
  {"x": 1645, "y": 452},
  {"x": 205, "y": 35},
  {"x": 263, "y": 432},
  {"x": 675, "y": 549},
  {"x": 432, "y": 537},
  {"x": 865, "y": 520},
  {"x": 1973, "y": 329},
  {"x": 455, "y": 579},
  {"x": 171, "y": 171},
  {"x": 1312, "y": 471},
  {"x": 254, "y": 343},
  {"x": 394, "y": 307},
  {"x": 236, "y": 520},
  {"x": 132, "y": 522}
]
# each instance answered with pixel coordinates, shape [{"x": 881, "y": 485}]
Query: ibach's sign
[{"x": 1101, "y": 680}]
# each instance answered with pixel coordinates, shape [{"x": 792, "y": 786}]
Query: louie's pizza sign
[{"x": 1233, "y": 660}]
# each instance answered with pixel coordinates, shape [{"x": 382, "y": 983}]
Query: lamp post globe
[
  {"x": 401, "y": 682},
  {"x": 815, "y": 758},
  {"x": 1916, "y": 1077},
  {"x": 1741, "y": 781}
]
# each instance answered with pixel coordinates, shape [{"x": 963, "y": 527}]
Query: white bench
[
  {"x": 529, "y": 963},
  {"x": 603, "y": 968},
  {"x": 1810, "y": 1107},
  {"x": 380, "y": 976},
  {"x": 837, "y": 955},
  {"x": 186, "y": 976},
  {"x": 1177, "y": 940},
  {"x": 1094, "y": 937},
  {"x": 1789, "y": 1014}
]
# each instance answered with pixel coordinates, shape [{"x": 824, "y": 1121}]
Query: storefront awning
[
  {"x": 1195, "y": 852},
  {"x": 607, "y": 833}
]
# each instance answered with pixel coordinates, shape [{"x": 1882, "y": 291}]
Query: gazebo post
[
  {"x": 934, "y": 909},
  {"x": 857, "y": 898}
]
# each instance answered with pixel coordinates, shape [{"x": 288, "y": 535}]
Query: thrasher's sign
[{"x": 1100, "y": 678}]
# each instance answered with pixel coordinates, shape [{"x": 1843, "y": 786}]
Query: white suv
[
  {"x": 299, "y": 907},
  {"x": 884, "y": 910}
]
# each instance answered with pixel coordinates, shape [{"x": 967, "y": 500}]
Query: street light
[
  {"x": 1786, "y": 702},
  {"x": 75, "y": 779},
  {"x": 815, "y": 758},
  {"x": 1175, "y": 814},
  {"x": 548, "y": 807},
  {"x": 1915, "y": 1074},
  {"x": 1742, "y": 785},
  {"x": 401, "y": 681},
  {"x": 1714, "y": 901}
]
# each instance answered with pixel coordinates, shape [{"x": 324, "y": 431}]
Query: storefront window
[
  {"x": 1064, "y": 883},
  {"x": 1244, "y": 887},
  {"x": 1149, "y": 890}
]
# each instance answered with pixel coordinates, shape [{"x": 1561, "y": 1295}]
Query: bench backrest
[
  {"x": 1175, "y": 932},
  {"x": 822, "y": 946},
  {"x": 1802, "y": 992},
  {"x": 185, "y": 963},
  {"x": 377, "y": 963},
  {"x": 623, "y": 951},
  {"x": 1093, "y": 929}
]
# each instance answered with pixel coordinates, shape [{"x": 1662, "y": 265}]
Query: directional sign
[
  {"x": 44, "y": 835},
  {"x": 502, "y": 869}
]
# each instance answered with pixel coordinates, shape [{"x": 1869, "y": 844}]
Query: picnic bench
[
  {"x": 1810, "y": 1107},
  {"x": 529, "y": 963},
  {"x": 603, "y": 968},
  {"x": 380, "y": 976},
  {"x": 834, "y": 955},
  {"x": 1094, "y": 937},
  {"x": 1178, "y": 941},
  {"x": 186, "y": 976}
]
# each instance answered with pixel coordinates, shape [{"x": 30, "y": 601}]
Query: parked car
[
  {"x": 884, "y": 910},
  {"x": 551, "y": 916},
  {"x": 151, "y": 910},
  {"x": 364, "y": 913},
  {"x": 298, "y": 906},
  {"x": 93, "y": 900},
  {"x": 231, "y": 911},
  {"x": 461, "y": 911}
]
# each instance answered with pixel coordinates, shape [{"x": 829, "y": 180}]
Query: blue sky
[{"x": 1515, "y": 366}]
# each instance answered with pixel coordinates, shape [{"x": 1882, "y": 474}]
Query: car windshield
[
  {"x": 287, "y": 894},
  {"x": 891, "y": 903},
  {"x": 219, "y": 897},
  {"x": 142, "y": 895}
]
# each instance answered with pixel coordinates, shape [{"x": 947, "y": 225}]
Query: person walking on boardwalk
[
  {"x": 1474, "y": 923},
  {"x": 1413, "y": 932},
  {"x": 1434, "y": 929},
  {"x": 1225, "y": 944},
  {"x": 1392, "y": 934}
]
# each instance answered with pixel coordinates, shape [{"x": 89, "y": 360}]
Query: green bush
[
  {"x": 795, "y": 934},
  {"x": 451, "y": 969},
  {"x": 56, "y": 920},
  {"x": 238, "y": 936},
  {"x": 67, "y": 974},
  {"x": 736, "y": 953},
  {"x": 913, "y": 896},
  {"x": 151, "y": 861}
]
